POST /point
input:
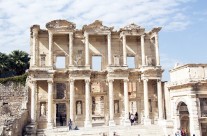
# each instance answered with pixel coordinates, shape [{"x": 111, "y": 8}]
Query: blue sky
[{"x": 183, "y": 38}]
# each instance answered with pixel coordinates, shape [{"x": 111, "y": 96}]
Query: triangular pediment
[{"x": 61, "y": 24}]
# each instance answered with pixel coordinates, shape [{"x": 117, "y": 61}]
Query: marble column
[
  {"x": 87, "y": 122},
  {"x": 143, "y": 50},
  {"x": 72, "y": 100},
  {"x": 33, "y": 102},
  {"x": 34, "y": 46},
  {"x": 70, "y": 49},
  {"x": 86, "y": 49},
  {"x": 159, "y": 98},
  {"x": 109, "y": 48},
  {"x": 50, "y": 49},
  {"x": 50, "y": 105},
  {"x": 157, "y": 50},
  {"x": 124, "y": 51},
  {"x": 147, "y": 121},
  {"x": 126, "y": 104},
  {"x": 111, "y": 103}
]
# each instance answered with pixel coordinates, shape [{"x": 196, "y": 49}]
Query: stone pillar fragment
[
  {"x": 87, "y": 122},
  {"x": 72, "y": 100},
  {"x": 86, "y": 49},
  {"x": 50, "y": 49},
  {"x": 50, "y": 105},
  {"x": 33, "y": 102},
  {"x": 157, "y": 50},
  {"x": 111, "y": 103},
  {"x": 109, "y": 48},
  {"x": 70, "y": 49},
  {"x": 159, "y": 97},
  {"x": 124, "y": 51},
  {"x": 147, "y": 121},
  {"x": 126, "y": 104},
  {"x": 143, "y": 50}
]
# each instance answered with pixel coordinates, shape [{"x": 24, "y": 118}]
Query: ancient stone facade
[
  {"x": 186, "y": 98},
  {"x": 80, "y": 92}
]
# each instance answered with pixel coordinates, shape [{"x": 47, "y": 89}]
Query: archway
[{"x": 183, "y": 113}]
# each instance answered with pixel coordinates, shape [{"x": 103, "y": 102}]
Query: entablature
[{"x": 61, "y": 26}]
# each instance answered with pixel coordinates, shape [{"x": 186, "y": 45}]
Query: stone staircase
[{"x": 138, "y": 130}]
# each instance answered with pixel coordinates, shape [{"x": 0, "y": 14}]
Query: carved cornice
[
  {"x": 60, "y": 24},
  {"x": 152, "y": 72},
  {"x": 96, "y": 27},
  {"x": 131, "y": 27}
]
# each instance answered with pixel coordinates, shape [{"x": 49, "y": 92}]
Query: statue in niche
[
  {"x": 149, "y": 61},
  {"x": 77, "y": 59},
  {"x": 116, "y": 107},
  {"x": 42, "y": 110},
  {"x": 79, "y": 109},
  {"x": 116, "y": 60}
]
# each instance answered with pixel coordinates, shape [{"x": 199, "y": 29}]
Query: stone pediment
[
  {"x": 60, "y": 24},
  {"x": 97, "y": 26},
  {"x": 131, "y": 27}
]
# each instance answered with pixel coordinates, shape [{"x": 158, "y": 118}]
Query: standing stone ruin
[
  {"x": 99, "y": 76},
  {"x": 128, "y": 79}
]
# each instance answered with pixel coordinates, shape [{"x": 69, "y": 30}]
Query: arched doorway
[{"x": 184, "y": 117}]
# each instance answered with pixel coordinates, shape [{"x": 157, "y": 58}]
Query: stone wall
[{"x": 13, "y": 109}]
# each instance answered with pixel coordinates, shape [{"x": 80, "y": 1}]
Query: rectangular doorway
[{"x": 61, "y": 114}]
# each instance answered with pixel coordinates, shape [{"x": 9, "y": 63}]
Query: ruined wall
[{"x": 13, "y": 109}]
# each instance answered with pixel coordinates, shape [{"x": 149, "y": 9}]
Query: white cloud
[{"x": 16, "y": 16}]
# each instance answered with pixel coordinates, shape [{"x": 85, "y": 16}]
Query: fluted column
[
  {"x": 126, "y": 104},
  {"x": 50, "y": 49},
  {"x": 34, "y": 46},
  {"x": 159, "y": 97},
  {"x": 70, "y": 49},
  {"x": 109, "y": 48},
  {"x": 72, "y": 99},
  {"x": 111, "y": 103},
  {"x": 86, "y": 49},
  {"x": 33, "y": 102},
  {"x": 147, "y": 121},
  {"x": 87, "y": 102},
  {"x": 157, "y": 50},
  {"x": 124, "y": 51},
  {"x": 50, "y": 103},
  {"x": 143, "y": 50}
]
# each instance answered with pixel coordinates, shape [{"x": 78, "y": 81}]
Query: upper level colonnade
[{"x": 63, "y": 39}]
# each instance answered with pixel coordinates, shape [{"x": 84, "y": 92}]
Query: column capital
[
  {"x": 50, "y": 81},
  {"x": 87, "y": 80},
  {"x": 33, "y": 81},
  {"x": 50, "y": 33},
  {"x": 86, "y": 34},
  {"x": 142, "y": 36},
  {"x": 71, "y": 35},
  {"x": 109, "y": 35},
  {"x": 126, "y": 80},
  {"x": 110, "y": 80},
  {"x": 71, "y": 80}
]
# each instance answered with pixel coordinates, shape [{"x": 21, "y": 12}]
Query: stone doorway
[
  {"x": 61, "y": 114},
  {"x": 98, "y": 110},
  {"x": 184, "y": 117}
]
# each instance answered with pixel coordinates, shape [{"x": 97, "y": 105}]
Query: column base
[
  {"x": 87, "y": 124},
  {"x": 112, "y": 123},
  {"x": 127, "y": 122},
  {"x": 147, "y": 121},
  {"x": 50, "y": 125}
]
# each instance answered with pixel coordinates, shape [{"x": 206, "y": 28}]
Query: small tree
[{"x": 19, "y": 61}]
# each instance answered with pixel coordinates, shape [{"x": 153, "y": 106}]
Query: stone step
[{"x": 138, "y": 130}]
